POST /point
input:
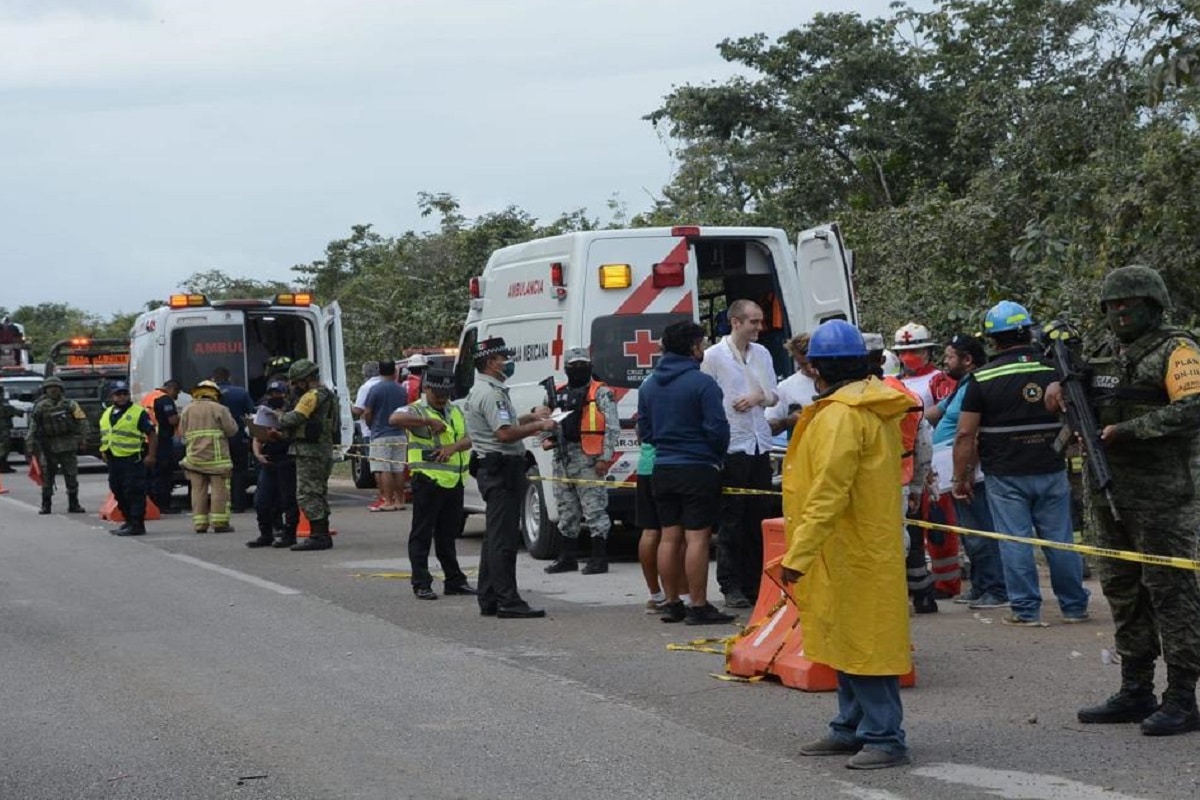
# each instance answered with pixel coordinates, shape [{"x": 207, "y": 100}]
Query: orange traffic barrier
[
  {"x": 773, "y": 643},
  {"x": 111, "y": 512},
  {"x": 304, "y": 529},
  {"x": 2, "y": 489}
]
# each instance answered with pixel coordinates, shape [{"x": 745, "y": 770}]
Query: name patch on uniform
[{"x": 1183, "y": 372}]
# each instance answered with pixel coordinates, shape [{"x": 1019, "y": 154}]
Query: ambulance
[
  {"x": 613, "y": 292},
  {"x": 191, "y": 336}
]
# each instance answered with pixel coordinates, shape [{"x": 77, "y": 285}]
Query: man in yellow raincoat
[{"x": 845, "y": 560}]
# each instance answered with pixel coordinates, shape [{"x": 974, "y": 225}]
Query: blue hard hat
[
  {"x": 1006, "y": 316},
  {"x": 836, "y": 339}
]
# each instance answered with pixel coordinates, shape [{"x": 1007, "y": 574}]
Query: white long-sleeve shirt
[{"x": 749, "y": 431}]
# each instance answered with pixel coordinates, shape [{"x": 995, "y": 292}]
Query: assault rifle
[
  {"x": 551, "y": 388},
  {"x": 1080, "y": 421}
]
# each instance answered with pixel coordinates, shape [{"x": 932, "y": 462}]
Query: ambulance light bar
[
  {"x": 187, "y": 300},
  {"x": 616, "y": 276},
  {"x": 294, "y": 299},
  {"x": 667, "y": 274},
  {"x": 688, "y": 231}
]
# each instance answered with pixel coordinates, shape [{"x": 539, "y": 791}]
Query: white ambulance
[
  {"x": 614, "y": 291},
  {"x": 191, "y": 336}
]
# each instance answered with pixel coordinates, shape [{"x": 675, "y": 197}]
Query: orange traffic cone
[
  {"x": 773, "y": 643},
  {"x": 304, "y": 530},
  {"x": 111, "y": 512},
  {"x": 2, "y": 489},
  {"x": 35, "y": 471}
]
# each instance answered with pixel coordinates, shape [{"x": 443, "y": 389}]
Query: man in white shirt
[
  {"x": 746, "y": 374},
  {"x": 794, "y": 392}
]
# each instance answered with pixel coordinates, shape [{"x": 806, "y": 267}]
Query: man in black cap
[
  {"x": 499, "y": 464},
  {"x": 124, "y": 429},
  {"x": 438, "y": 451}
]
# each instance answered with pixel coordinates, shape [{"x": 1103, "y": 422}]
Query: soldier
[
  {"x": 275, "y": 492},
  {"x": 1146, "y": 396},
  {"x": 310, "y": 426},
  {"x": 124, "y": 429},
  {"x": 7, "y": 412},
  {"x": 499, "y": 464},
  {"x": 586, "y": 440},
  {"x": 57, "y": 429}
]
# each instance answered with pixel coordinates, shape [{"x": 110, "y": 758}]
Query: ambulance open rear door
[{"x": 334, "y": 345}]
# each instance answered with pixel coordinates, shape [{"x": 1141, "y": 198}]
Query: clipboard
[{"x": 261, "y": 432}]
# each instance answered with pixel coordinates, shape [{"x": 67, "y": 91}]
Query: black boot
[
  {"x": 1133, "y": 702},
  {"x": 287, "y": 538},
  {"x": 73, "y": 506},
  {"x": 318, "y": 537},
  {"x": 135, "y": 528},
  {"x": 598, "y": 563},
  {"x": 1178, "y": 712},
  {"x": 266, "y": 537},
  {"x": 924, "y": 602},
  {"x": 565, "y": 562},
  {"x": 45, "y": 509}
]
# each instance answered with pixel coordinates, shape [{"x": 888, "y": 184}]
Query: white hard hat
[
  {"x": 419, "y": 360},
  {"x": 891, "y": 364},
  {"x": 913, "y": 337}
]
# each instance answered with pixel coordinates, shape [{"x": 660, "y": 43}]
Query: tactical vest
[
  {"x": 319, "y": 427},
  {"x": 588, "y": 418},
  {"x": 123, "y": 439},
  {"x": 56, "y": 420},
  {"x": 421, "y": 440}
]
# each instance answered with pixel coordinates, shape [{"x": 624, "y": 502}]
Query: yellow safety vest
[
  {"x": 123, "y": 439},
  {"x": 449, "y": 474}
]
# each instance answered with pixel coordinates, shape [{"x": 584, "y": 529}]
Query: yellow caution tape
[{"x": 404, "y": 575}]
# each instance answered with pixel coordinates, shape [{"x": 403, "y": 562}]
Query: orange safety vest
[
  {"x": 591, "y": 424},
  {"x": 908, "y": 428}
]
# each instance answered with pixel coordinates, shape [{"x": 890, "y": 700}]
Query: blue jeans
[
  {"x": 870, "y": 713},
  {"x": 987, "y": 570},
  {"x": 1037, "y": 505}
]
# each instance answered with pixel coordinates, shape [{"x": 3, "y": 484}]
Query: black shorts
[
  {"x": 645, "y": 514},
  {"x": 687, "y": 495}
]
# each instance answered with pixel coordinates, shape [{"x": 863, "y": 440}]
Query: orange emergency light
[{"x": 616, "y": 276}]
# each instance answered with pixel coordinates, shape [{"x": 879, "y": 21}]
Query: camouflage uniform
[
  {"x": 1149, "y": 389},
  {"x": 57, "y": 426},
  {"x": 310, "y": 425},
  {"x": 7, "y": 412},
  {"x": 580, "y": 503}
]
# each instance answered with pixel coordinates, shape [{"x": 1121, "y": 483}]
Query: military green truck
[{"x": 87, "y": 368}]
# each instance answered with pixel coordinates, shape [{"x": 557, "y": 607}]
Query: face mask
[
  {"x": 509, "y": 368},
  {"x": 913, "y": 360},
  {"x": 1132, "y": 321},
  {"x": 276, "y": 402},
  {"x": 579, "y": 375}
]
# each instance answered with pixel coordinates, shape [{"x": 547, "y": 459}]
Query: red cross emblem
[
  {"x": 906, "y": 337},
  {"x": 556, "y": 347},
  {"x": 643, "y": 348}
]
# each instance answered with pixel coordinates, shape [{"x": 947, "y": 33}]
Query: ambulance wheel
[
  {"x": 360, "y": 468},
  {"x": 541, "y": 535}
]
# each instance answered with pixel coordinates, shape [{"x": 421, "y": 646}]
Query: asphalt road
[{"x": 185, "y": 666}]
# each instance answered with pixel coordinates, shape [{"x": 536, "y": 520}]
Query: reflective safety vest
[
  {"x": 591, "y": 421},
  {"x": 123, "y": 439},
  {"x": 422, "y": 440},
  {"x": 908, "y": 429},
  {"x": 149, "y": 397}
]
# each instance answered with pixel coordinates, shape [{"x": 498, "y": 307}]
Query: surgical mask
[
  {"x": 276, "y": 402},
  {"x": 1140, "y": 317},
  {"x": 913, "y": 360},
  {"x": 579, "y": 374},
  {"x": 509, "y": 368}
]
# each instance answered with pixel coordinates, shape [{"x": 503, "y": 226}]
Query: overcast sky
[{"x": 144, "y": 140}]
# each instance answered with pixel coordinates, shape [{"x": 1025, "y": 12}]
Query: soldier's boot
[
  {"x": 266, "y": 536},
  {"x": 1133, "y": 702},
  {"x": 598, "y": 563},
  {"x": 287, "y": 538},
  {"x": 45, "y": 509},
  {"x": 318, "y": 537},
  {"x": 566, "y": 561},
  {"x": 1178, "y": 712},
  {"x": 73, "y": 506}
]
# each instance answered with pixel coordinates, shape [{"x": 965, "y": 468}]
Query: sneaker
[
  {"x": 655, "y": 606},
  {"x": 828, "y": 745},
  {"x": 1075, "y": 619},
  {"x": 425, "y": 593},
  {"x": 375, "y": 504},
  {"x": 878, "y": 759},
  {"x": 383, "y": 508},
  {"x": 988, "y": 601},
  {"x": 1013, "y": 619},
  {"x": 736, "y": 599},
  {"x": 674, "y": 612},
  {"x": 706, "y": 614},
  {"x": 969, "y": 596}
]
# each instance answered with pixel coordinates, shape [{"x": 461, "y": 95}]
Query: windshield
[{"x": 196, "y": 352}]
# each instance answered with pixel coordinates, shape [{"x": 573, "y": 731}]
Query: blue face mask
[{"x": 509, "y": 368}]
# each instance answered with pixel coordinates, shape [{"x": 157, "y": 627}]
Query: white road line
[
  {"x": 278, "y": 588},
  {"x": 1016, "y": 785}
]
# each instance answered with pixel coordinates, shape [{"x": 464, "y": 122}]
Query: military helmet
[
  {"x": 302, "y": 369},
  {"x": 1135, "y": 280},
  {"x": 53, "y": 380}
]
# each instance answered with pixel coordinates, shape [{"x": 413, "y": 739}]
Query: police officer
[
  {"x": 310, "y": 427},
  {"x": 275, "y": 492},
  {"x": 162, "y": 406},
  {"x": 57, "y": 429},
  {"x": 124, "y": 429},
  {"x": 499, "y": 464},
  {"x": 7, "y": 412},
  {"x": 438, "y": 451},
  {"x": 1146, "y": 396},
  {"x": 585, "y": 440}
]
